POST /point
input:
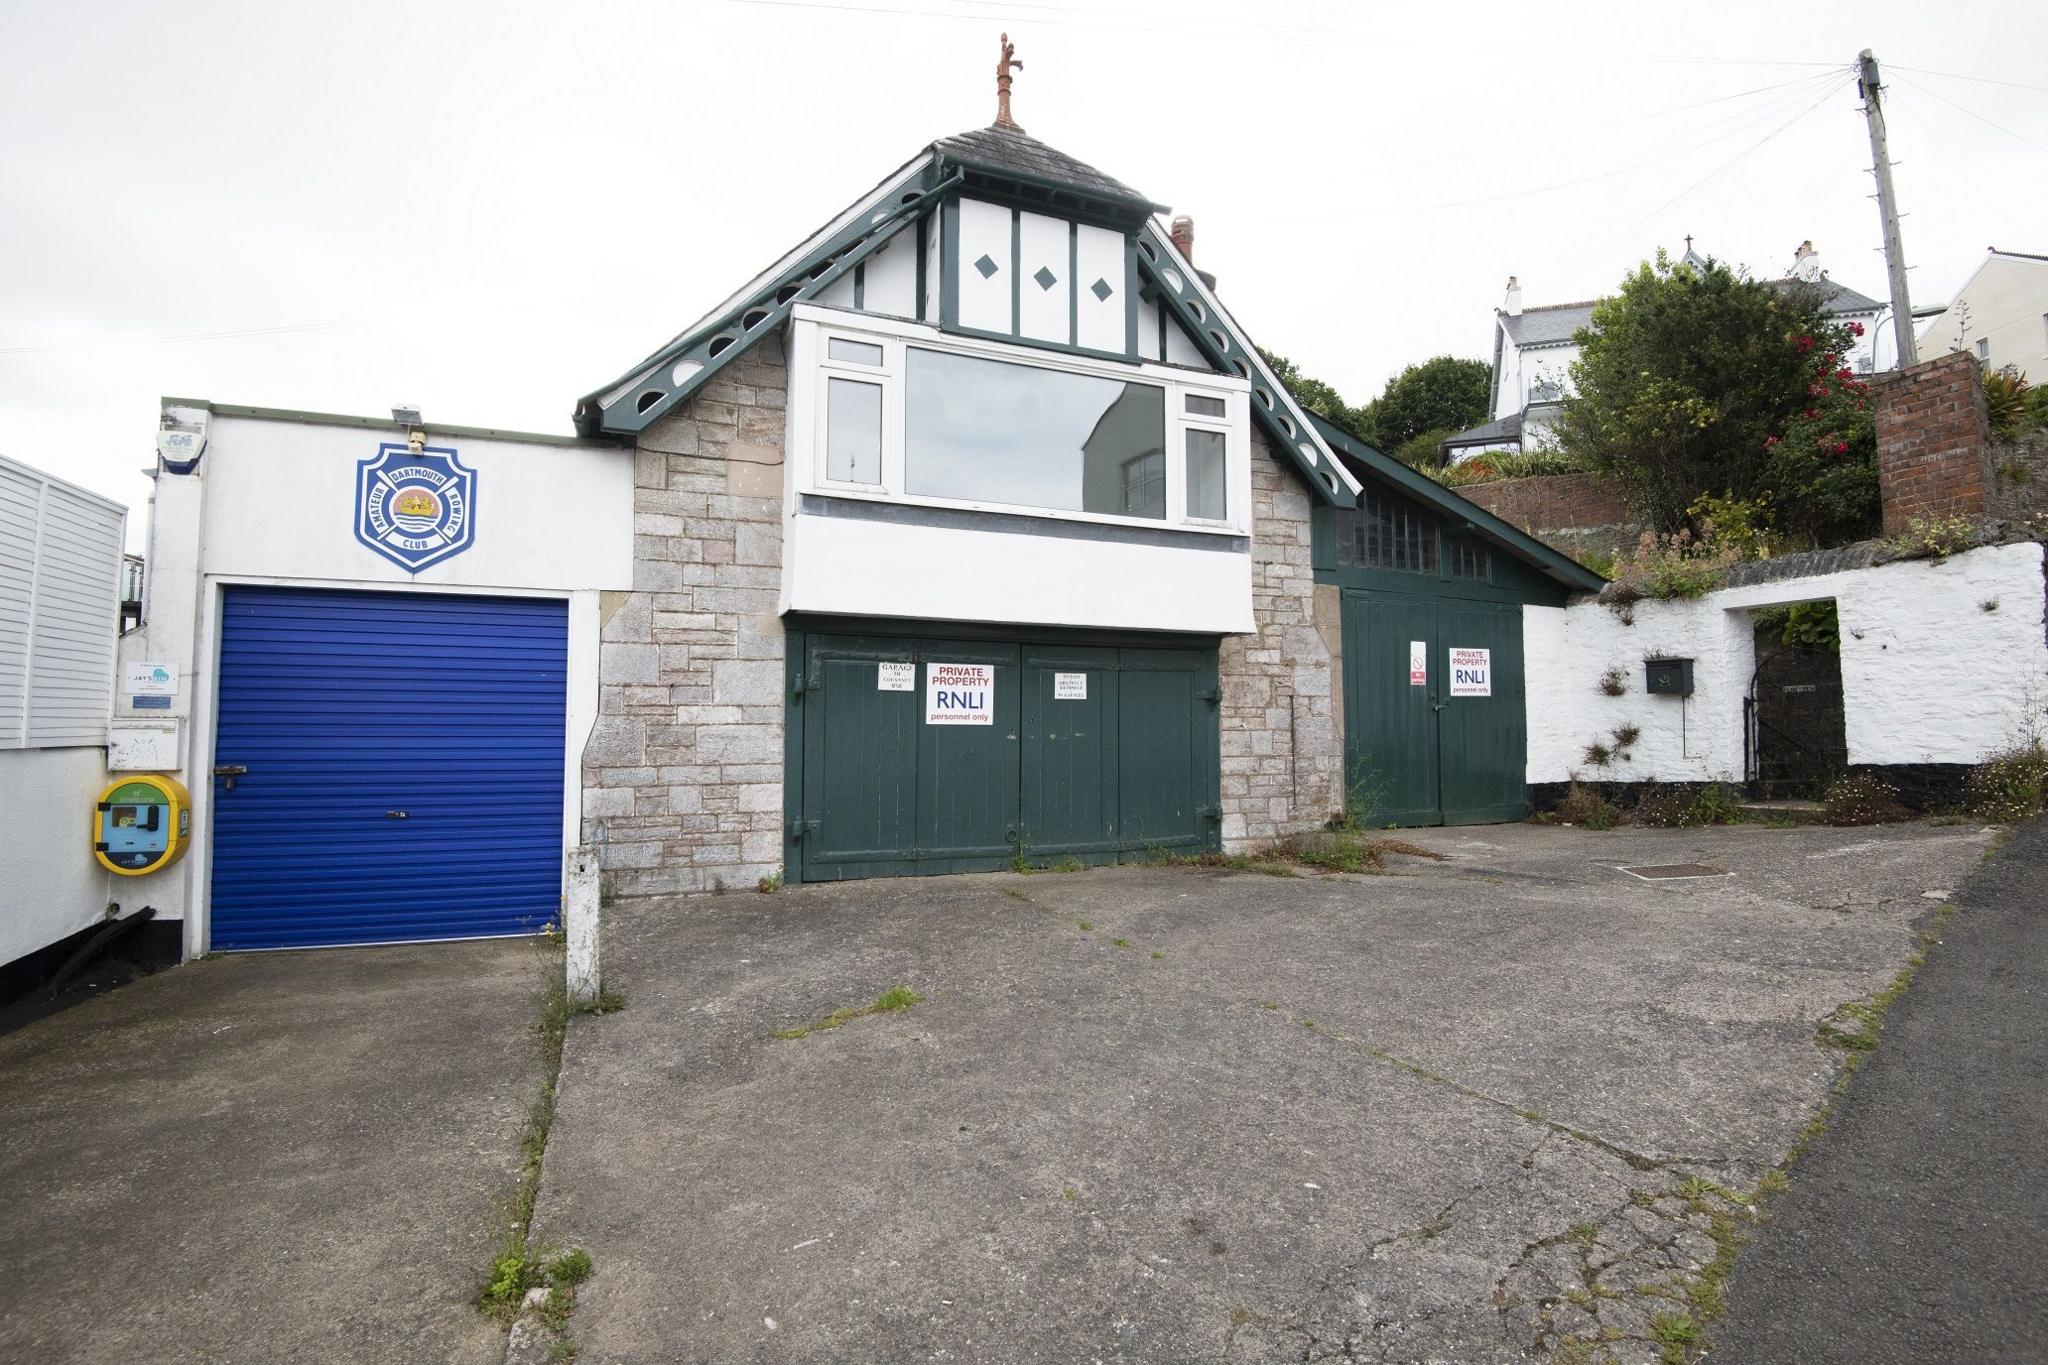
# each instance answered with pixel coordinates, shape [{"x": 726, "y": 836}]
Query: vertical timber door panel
[
  {"x": 1390, "y": 723},
  {"x": 1070, "y": 753},
  {"x": 860, "y": 760},
  {"x": 1166, "y": 731},
  {"x": 967, "y": 775},
  {"x": 1484, "y": 764}
]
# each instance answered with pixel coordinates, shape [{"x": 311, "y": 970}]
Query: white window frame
[{"x": 811, "y": 367}]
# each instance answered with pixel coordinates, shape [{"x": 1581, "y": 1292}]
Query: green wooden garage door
[
  {"x": 1428, "y": 751},
  {"x": 1089, "y": 752}
]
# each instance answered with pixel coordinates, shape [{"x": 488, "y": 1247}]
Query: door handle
[
  {"x": 229, "y": 771},
  {"x": 397, "y": 815}
]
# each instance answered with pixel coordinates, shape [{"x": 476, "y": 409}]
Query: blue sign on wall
[{"x": 415, "y": 507}]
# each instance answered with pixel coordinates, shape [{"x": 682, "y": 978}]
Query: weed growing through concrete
[
  {"x": 1087, "y": 926},
  {"x": 1158, "y": 956},
  {"x": 892, "y": 1001},
  {"x": 769, "y": 884},
  {"x": 1121, "y": 942}
]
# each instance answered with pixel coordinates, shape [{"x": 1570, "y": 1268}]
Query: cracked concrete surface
[{"x": 1423, "y": 1117}]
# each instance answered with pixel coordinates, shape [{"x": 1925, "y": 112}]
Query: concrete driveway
[
  {"x": 269, "y": 1158},
  {"x": 1482, "y": 1108}
]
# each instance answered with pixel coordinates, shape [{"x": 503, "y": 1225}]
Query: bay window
[{"x": 900, "y": 412}]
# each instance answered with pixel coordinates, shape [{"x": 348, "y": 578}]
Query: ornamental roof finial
[{"x": 1003, "y": 68}]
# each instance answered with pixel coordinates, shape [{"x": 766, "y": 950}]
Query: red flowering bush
[{"x": 1820, "y": 463}]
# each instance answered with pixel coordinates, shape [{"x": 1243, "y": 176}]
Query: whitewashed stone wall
[
  {"x": 1941, "y": 663},
  {"x": 1282, "y": 741},
  {"x": 683, "y": 771}
]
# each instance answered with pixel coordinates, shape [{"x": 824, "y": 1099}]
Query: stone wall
[
  {"x": 1933, "y": 442},
  {"x": 683, "y": 772},
  {"x": 1282, "y": 735},
  {"x": 2020, "y": 469}
]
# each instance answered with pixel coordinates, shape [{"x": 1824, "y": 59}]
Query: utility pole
[{"x": 1888, "y": 209}]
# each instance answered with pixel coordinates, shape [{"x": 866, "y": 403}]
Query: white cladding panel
[
  {"x": 1180, "y": 350},
  {"x": 934, "y": 233},
  {"x": 840, "y": 293},
  {"x": 60, "y": 573},
  {"x": 859, "y": 567},
  {"x": 1148, "y": 332},
  {"x": 281, "y": 503},
  {"x": 1102, "y": 322},
  {"x": 985, "y": 295},
  {"x": 55, "y": 887},
  {"x": 1045, "y": 310},
  {"x": 889, "y": 277}
]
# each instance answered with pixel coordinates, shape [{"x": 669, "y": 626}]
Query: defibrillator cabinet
[{"x": 141, "y": 824}]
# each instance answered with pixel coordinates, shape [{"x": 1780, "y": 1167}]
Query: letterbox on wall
[{"x": 1668, "y": 677}]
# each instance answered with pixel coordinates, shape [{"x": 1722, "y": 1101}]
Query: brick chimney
[
  {"x": 1183, "y": 234},
  {"x": 1513, "y": 304}
]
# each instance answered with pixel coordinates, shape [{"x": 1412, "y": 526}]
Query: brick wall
[
  {"x": 1283, "y": 745},
  {"x": 683, "y": 772},
  {"x": 1580, "y": 514},
  {"x": 1933, "y": 442}
]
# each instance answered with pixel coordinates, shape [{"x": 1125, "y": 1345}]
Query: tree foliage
[
  {"x": 1703, "y": 383},
  {"x": 1419, "y": 406},
  {"x": 1443, "y": 393}
]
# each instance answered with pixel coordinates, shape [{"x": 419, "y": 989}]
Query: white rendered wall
[
  {"x": 946, "y": 573},
  {"x": 54, "y": 887},
  {"x": 1928, "y": 674},
  {"x": 273, "y": 502}
]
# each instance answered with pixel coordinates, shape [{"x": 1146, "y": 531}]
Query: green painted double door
[
  {"x": 1092, "y": 753},
  {"x": 1416, "y": 750}
]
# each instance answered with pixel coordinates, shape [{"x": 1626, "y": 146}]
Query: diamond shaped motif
[
  {"x": 1101, "y": 290},
  {"x": 1046, "y": 279},
  {"x": 986, "y": 266}
]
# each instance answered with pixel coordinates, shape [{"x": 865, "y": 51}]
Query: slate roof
[
  {"x": 1012, "y": 149},
  {"x": 1550, "y": 325},
  {"x": 1508, "y": 428},
  {"x": 1837, "y": 298}
]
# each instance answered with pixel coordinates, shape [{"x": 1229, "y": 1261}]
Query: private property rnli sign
[
  {"x": 959, "y": 694},
  {"x": 414, "y": 507},
  {"x": 1471, "y": 672}
]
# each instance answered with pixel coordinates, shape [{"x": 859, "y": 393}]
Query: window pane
[
  {"x": 987, "y": 431},
  {"x": 859, "y": 352},
  {"x": 1468, "y": 558},
  {"x": 1387, "y": 532},
  {"x": 853, "y": 432},
  {"x": 1206, "y": 497},
  {"x": 1201, "y": 405}
]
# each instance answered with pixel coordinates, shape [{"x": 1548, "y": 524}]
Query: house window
[
  {"x": 894, "y": 411},
  {"x": 1387, "y": 532},
  {"x": 980, "y": 430},
  {"x": 1468, "y": 558},
  {"x": 1984, "y": 348}
]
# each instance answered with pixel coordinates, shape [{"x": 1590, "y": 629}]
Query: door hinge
[
  {"x": 799, "y": 686},
  {"x": 1213, "y": 695},
  {"x": 1213, "y": 814},
  {"x": 799, "y": 828}
]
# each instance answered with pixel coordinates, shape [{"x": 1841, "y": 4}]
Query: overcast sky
[{"x": 489, "y": 209}]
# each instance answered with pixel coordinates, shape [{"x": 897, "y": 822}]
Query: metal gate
[
  {"x": 1417, "y": 753},
  {"x": 1093, "y": 753},
  {"x": 388, "y": 767}
]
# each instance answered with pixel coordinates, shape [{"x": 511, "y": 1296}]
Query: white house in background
[
  {"x": 1533, "y": 351},
  {"x": 60, "y": 613},
  {"x": 2000, "y": 315}
]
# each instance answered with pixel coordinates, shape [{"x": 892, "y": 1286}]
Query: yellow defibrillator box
[{"x": 141, "y": 824}]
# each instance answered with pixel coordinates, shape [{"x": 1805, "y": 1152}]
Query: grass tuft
[{"x": 892, "y": 1001}]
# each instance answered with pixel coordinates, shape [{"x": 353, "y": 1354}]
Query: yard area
[{"x": 1458, "y": 1110}]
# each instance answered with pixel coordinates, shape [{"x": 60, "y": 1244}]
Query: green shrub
[
  {"x": 1495, "y": 465},
  {"x": 1933, "y": 538},
  {"x": 2008, "y": 787},
  {"x": 1583, "y": 806},
  {"x": 1861, "y": 799},
  {"x": 1683, "y": 808}
]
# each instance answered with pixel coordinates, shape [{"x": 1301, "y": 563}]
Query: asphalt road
[{"x": 1917, "y": 1227}]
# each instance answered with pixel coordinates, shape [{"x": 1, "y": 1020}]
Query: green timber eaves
[{"x": 1460, "y": 513}]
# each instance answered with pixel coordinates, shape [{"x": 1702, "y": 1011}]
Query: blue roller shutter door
[{"x": 404, "y": 758}]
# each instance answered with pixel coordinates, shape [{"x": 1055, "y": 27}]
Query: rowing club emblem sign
[{"x": 415, "y": 507}]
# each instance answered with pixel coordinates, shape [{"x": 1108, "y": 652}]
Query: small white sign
[
  {"x": 1418, "y": 663},
  {"x": 1471, "y": 672},
  {"x": 149, "y": 680},
  {"x": 959, "y": 694},
  {"x": 895, "y": 677},
  {"x": 1070, "y": 687}
]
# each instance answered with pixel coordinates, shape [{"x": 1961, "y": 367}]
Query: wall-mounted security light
[{"x": 414, "y": 425}]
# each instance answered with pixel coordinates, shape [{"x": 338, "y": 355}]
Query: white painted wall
[
  {"x": 53, "y": 886},
  {"x": 944, "y": 573},
  {"x": 1928, "y": 675},
  {"x": 2004, "y": 303},
  {"x": 273, "y": 502}
]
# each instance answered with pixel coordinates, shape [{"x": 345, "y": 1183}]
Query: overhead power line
[
  {"x": 1936, "y": 94},
  {"x": 1981, "y": 80}
]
